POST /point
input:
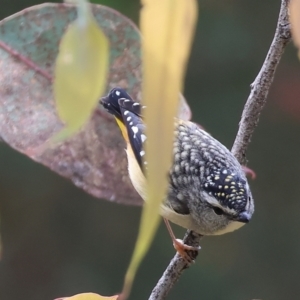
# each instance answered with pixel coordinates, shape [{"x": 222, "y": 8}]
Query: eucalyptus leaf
[
  {"x": 80, "y": 71},
  {"x": 95, "y": 158}
]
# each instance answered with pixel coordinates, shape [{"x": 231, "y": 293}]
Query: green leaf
[{"x": 80, "y": 71}]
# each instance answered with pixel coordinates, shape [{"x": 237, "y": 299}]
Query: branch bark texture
[
  {"x": 261, "y": 85},
  {"x": 249, "y": 120},
  {"x": 175, "y": 268}
]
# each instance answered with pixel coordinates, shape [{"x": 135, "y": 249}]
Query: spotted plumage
[
  {"x": 208, "y": 190},
  {"x": 128, "y": 112},
  {"x": 227, "y": 187}
]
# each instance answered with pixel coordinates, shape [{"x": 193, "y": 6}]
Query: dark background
[{"x": 59, "y": 241}]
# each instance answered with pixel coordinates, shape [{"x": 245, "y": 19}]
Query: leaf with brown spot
[{"x": 95, "y": 158}]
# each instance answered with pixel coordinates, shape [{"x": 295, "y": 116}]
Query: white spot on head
[
  {"x": 224, "y": 172},
  {"x": 118, "y": 93},
  {"x": 143, "y": 137},
  {"x": 126, "y": 112},
  {"x": 142, "y": 153}
]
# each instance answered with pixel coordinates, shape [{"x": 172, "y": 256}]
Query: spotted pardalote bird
[{"x": 208, "y": 190}]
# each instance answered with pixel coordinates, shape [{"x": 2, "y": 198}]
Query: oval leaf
[
  {"x": 80, "y": 71},
  {"x": 27, "y": 109}
]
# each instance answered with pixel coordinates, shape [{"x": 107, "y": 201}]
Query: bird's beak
[
  {"x": 103, "y": 99},
  {"x": 243, "y": 217}
]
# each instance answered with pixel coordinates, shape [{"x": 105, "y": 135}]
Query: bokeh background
[{"x": 59, "y": 241}]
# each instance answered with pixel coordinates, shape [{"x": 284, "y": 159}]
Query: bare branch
[
  {"x": 261, "y": 85},
  {"x": 250, "y": 116},
  {"x": 175, "y": 268}
]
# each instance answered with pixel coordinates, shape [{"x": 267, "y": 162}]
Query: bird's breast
[{"x": 135, "y": 173}]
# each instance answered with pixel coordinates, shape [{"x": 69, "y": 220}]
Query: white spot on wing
[
  {"x": 143, "y": 137},
  {"x": 128, "y": 118},
  {"x": 142, "y": 153},
  {"x": 136, "y": 104},
  {"x": 126, "y": 112},
  {"x": 135, "y": 130}
]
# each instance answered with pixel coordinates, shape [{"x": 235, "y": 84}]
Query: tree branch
[
  {"x": 249, "y": 120},
  {"x": 175, "y": 268},
  {"x": 261, "y": 85}
]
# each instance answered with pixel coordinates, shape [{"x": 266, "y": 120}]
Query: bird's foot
[{"x": 188, "y": 253}]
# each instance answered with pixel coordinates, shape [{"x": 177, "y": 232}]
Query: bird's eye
[{"x": 218, "y": 211}]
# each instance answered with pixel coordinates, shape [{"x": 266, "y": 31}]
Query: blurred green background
[{"x": 59, "y": 241}]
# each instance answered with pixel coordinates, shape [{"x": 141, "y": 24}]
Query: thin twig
[
  {"x": 175, "y": 268},
  {"x": 261, "y": 85},
  {"x": 250, "y": 116}
]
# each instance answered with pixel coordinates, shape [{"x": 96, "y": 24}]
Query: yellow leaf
[
  {"x": 167, "y": 28},
  {"x": 294, "y": 9},
  {"x": 89, "y": 296},
  {"x": 80, "y": 71}
]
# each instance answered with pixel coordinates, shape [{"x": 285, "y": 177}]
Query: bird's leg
[{"x": 179, "y": 246}]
